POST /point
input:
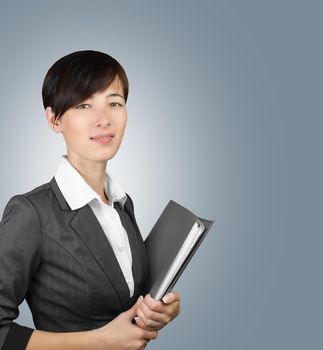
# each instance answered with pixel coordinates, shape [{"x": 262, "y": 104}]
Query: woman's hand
[
  {"x": 153, "y": 315},
  {"x": 122, "y": 334}
]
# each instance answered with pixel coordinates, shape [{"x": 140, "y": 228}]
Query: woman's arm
[
  {"x": 119, "y": 334},
  {"x": 20, "y": 256}
]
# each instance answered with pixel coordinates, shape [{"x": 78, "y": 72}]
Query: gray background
[{"x": 225, "y": 116}]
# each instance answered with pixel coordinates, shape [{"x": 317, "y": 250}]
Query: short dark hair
[{"x": 77, "y": 76}]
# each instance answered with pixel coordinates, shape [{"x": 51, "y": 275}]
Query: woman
[{"x": 72, "y": 247}]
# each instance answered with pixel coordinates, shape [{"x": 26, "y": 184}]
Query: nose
[{"x": 102, "y": 118}]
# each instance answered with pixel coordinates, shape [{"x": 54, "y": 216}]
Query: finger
[
  {"x": 142, "y": 325},
  {"x": 139, "y": 322},
  {"x": 151, "y": 307},
  {"x": 148, "y": 335},
  {"x": 171, "y": 297},
  {"x": 159, "y": 311},
  {"x": 147, "y": 320},
  {"x": 152, "y": 304},
  {"x": 132, "y": 312},
  {"x": 160, "y": 307}
]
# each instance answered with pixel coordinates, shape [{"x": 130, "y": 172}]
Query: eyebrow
[{"x": 115, "y": 94}]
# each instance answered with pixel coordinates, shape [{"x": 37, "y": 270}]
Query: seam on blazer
[
  {"x": 36, "y": 190},
  {"x": 40, "y": 225},
  {"x": 69, "y": 253},
  {"x": 19, "y": 196},
  {"x": 90, "y": 290}
]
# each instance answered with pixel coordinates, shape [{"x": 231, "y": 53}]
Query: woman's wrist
[
  {"x": 86, "y": 340},
  {"x": 97, "y": 339}
]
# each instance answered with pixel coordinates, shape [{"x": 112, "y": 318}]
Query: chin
[{"x": 104, "y": 156}]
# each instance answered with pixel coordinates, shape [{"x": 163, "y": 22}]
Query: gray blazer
[{"x": 61, "y": 262}]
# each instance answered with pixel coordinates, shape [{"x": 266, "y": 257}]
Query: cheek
[
  {"x": 122, "y": 123},
  {"x": 125, "y": 120},
  {"x": 74, "y": 132}
]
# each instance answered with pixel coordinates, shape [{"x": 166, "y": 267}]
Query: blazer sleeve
[{"x": 20, "y": 256}]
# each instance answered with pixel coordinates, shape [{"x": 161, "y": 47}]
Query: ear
[{"x": 53, "y": 123}]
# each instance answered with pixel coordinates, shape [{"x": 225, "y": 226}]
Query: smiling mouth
[{"x": 102, "y": 138}]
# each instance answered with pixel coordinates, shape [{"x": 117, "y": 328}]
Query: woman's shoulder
[
  {"x": 39, "y": 197},
  {"x": 34, "y": 194},
  {"x": 40, "y": 190}
]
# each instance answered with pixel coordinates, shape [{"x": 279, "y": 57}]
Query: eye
[
  {"x": 83, "y": 106},
  {"x": 115, "y": 104}
]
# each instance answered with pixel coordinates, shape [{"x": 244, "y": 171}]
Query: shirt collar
[{"x": 78, "y": 193}]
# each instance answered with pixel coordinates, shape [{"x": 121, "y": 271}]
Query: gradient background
[{"x": 225, "y": 117}]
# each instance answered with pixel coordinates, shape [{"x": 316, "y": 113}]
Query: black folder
[{"x": 170, "y": 246}]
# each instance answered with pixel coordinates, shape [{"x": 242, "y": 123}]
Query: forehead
[{"x": 114, "y": 89}]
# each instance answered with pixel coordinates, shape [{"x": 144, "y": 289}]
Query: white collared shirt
[{"x": 78, "y": 193}]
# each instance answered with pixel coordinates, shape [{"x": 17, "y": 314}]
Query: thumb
[{"x": 132, "y": 312}]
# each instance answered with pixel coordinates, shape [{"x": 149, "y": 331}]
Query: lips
[{"x": 102, "y": 139}]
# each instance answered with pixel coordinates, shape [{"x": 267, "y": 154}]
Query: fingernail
[
  {"x": 165, "y": 299},
  {"x": 139, "y": 299}
]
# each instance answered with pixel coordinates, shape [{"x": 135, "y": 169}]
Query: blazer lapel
[
  {"x": 87, "y": 227},
  {"x": 139, "y": 263}
]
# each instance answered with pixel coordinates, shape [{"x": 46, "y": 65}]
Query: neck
[{"x": 93, "y": 173}]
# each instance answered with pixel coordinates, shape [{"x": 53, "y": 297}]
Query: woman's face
[{"x": 93, "y": 130}]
